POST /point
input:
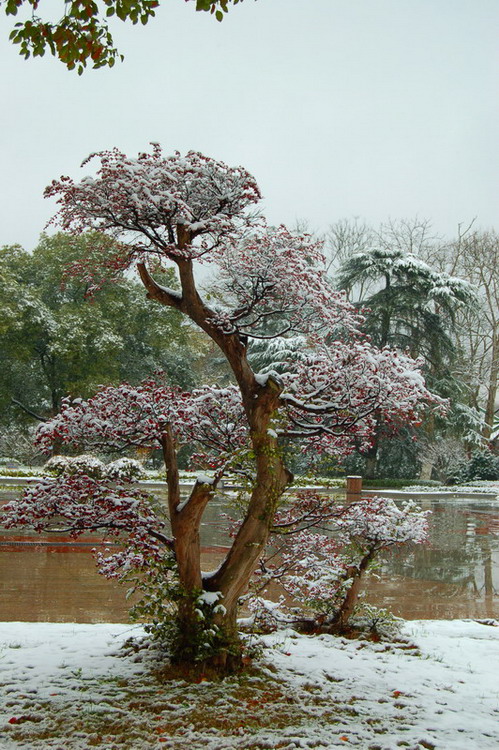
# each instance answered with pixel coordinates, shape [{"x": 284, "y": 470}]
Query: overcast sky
[{"x": 340, "y": 108}]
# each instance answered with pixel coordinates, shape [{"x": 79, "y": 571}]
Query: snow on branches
[
  {"x": 181, "y": 208},
  {"x": 124, "y": 416},
  {"x": 320, "y": 550},
  {"x": 409, "y": 271},
  {"x": 331, "y": 402},
  {"x": 115, "y": 418},
  {"x": 274, "y": 276},
  {"x": 172, "y": 206},
  {"x": 334, "y": 397},
  {"x": 76, "y": 504}
]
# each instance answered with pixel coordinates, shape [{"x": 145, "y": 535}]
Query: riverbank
[{"x": 70, "y": 687}]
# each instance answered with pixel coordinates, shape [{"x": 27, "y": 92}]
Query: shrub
[
  {"x": 482, "y": 465},
  {"x": 70, "y": 465},
  {"x": 9, "y": 463},
  {"x": 125, "y": 468}
]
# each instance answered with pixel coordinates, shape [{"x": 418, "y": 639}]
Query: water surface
[{"x": 455, "y": 575}]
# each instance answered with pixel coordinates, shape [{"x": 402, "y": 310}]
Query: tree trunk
[
  {"x": 272, "y": 478},
  {"x": 426, "y": 468},
  {"x": 260, "y": 402},
  {"x": 490, "y": 408},
  {"x": 371, "y": 460},
  {"x": 342, "y": 617}
]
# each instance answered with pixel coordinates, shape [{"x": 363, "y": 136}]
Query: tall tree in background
[
  {"x": 474, "y": 256},
  {"x": 54, "y": 343},
  {"x": 413, "y": 306},
  {"x": 407, "y": 304}
]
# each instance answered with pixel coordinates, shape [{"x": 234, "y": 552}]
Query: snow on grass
[{"x": 70, "y": 687}]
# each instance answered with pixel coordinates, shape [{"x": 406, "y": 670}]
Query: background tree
[
  {"x": 82, "y": 34},
  {"x": 55, "y": 343},
  {"x": 474, "y": 255},
  {"x": 407, "y": 304}
]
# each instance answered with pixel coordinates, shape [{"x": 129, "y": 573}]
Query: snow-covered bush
[
  {"x": 9, "y": 463},
  {"x": 483, "y": 464},
  {"x": 69, "y": 465},
  {"x": 125, "y": 468},
  {"x": 320, "y": 573},
  {"x": 377, "y": 620}
]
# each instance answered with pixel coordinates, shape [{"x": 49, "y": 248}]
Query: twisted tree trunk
[{"x": 260, "y": 401}]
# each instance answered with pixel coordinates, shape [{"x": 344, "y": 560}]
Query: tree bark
[
  {"x": 341, "y": 619},
  {"x": 260, "y": 401},
  {"x": 490, "y": 408}
]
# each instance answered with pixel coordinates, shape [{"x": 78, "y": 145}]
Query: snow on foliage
[
  {"x": 68, "y": 465},
  {"x": 331, "y": 402},
  {"x": 125, "y": 469},
  {"x": 143, "y": 202},
  {"x": 334, "y": 397},
  {"x": 379, "y": 522},
  {"x": 322, "y": 571},
  {"x": 77, "y": 503},
  {"x": 272, "y": 274},
  {"x": 122, "y": 416},
  {"x": 435, "y": 286},
  {"x": 330, "y": 393}
]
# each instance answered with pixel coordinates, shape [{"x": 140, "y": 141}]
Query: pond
[{"x": 456, "y": 575}]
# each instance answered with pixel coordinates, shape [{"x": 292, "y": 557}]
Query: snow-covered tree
[
  {"x": 323, "y": 573},
  {"x": 408, "y": 305},
  {"x": 474, "y": 255},
  {"x": 175, "y": 212},
  {"x": 413, "y": 302}
]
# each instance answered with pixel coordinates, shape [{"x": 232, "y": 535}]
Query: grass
[{"x": 149, "y": 709}]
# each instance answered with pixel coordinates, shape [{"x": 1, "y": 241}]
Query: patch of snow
[
  {"x": 182, "y": 505},
  {"x": 204, "y": 479},
  {"x": 68, "y": 685},
  {"x": 210, "y": 597}
]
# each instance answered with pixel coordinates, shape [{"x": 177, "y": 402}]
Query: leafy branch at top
[{"x": 82, "y": 36}]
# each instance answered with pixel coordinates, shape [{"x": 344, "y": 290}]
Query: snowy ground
[
  {"x": 68, "y": 687},
  {"x": 477, "y": 486}
]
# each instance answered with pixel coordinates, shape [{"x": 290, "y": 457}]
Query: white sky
[{"x": 340, "y": 108}]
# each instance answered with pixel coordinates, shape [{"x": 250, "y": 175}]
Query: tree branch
[
  {"x": 156, "y": 291},
  {"x": 28, "y": 410}
]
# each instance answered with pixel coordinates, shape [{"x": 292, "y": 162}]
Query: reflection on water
[
  {"x": 56, "y": 584},
  {"x": 455, "y": 575}
]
